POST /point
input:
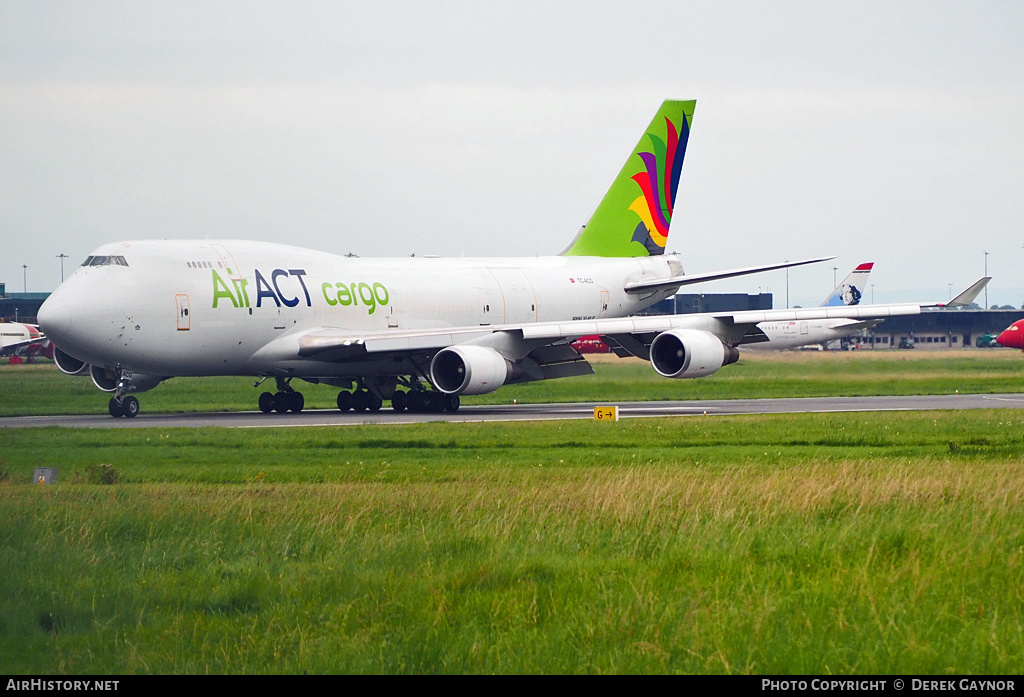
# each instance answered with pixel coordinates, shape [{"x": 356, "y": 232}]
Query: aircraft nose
[
  {"x": 55, "y": 319},
  {"x": 1012, "y": 337}
]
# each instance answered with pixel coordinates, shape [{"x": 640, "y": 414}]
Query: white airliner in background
[
  {"x": 418, "y": 332},
  {"x": 21, "y": 340},
  {"x": 791, "y": 334}
]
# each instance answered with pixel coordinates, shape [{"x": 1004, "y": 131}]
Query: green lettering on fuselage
[
  {"x": 347, "y": 295},
  {"x": 240, "y": 288},
  {"x": 221, "y": 290}
]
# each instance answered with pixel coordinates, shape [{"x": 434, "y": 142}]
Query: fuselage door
[
  {"x": 228, "y": 263},
  {"x": 184, "y": 316},
  {"x": 518, "y": 296}
]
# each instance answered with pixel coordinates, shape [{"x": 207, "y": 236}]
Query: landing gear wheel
[
  {"x": 451, "y": 403},
  {"x": 266, "y": 402},
  {"x": 114, "y": 407},
  {"x": 436, "y": 402},
  {"x": 344, "y": 400},
  {"x": 360, "y": 400},
  {"x": 416, "y": 402},
  {"x": 295, "y": 402},
  {"x": 130, "y": 407},
  {"x": 281, "y": 400},
  {"x": 399, "y": 400}
]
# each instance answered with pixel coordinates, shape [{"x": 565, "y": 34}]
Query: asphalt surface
[{"x": 529, "y": 412}]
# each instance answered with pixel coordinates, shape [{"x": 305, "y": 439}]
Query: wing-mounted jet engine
[
  {"x": 690, "y": 353},
  {"x": 469, "y": 370}
]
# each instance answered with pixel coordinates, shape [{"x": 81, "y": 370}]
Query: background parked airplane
[
  {"x": 137, "y": 313},
  {"x": 23, "y": 341},
  {"x": 794, "y": 334}
]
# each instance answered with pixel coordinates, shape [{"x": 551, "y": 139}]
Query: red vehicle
[
  {"x": 591, "y": 344},
  {"x": 1013, "y": 336}
]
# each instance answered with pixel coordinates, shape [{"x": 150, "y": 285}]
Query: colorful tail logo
[
  {"x": 658, "y": 185},
  {"x": 634, "y": 216}
]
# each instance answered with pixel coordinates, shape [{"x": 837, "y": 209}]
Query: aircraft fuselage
[{"x": 192, "y": 308}]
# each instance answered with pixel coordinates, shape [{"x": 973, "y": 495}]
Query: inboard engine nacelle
[
  {"x": 128, "y": 381},
  {"x": 468, "y": 370},
  {"x": 690, "y": 353}
]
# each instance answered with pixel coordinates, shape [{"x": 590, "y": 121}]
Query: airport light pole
[
  {"x": 24, "y": 276},
  {"x": 986, "y": 275},
  {"x": 62, "y": 256},
  {"x": 834, "y": 269}
]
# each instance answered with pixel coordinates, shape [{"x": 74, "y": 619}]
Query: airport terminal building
[{"x": 20, "y": 307}]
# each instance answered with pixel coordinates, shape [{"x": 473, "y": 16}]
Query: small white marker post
[{"x": 606, "y": 413}]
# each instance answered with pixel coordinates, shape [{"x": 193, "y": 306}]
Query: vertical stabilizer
[
  {"x": 633, "y": 218},
  {"x": 849, "y": 292}
]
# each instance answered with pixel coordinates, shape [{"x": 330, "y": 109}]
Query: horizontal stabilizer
[{"x": 688, "y": 279}]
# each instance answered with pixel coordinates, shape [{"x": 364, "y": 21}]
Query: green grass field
[{"x": 789, "y": 544}]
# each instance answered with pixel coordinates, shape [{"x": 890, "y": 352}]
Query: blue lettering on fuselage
[{"x": 272, "y": 289}]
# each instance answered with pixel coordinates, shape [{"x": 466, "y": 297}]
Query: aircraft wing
[
  {"x": 631, "y": 334},
  {"x": 14, "y": 346},
  {"x": 858, "y": 325},
  {"x": 339, "y": 345}
]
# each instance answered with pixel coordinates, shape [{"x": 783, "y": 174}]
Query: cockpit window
[{"x": 103, "y": 260}]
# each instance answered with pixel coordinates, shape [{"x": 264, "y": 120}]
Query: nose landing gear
[{"x": 123, "y": 406}]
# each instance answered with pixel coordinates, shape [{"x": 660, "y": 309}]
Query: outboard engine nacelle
[
  {"x": 468, "y": 370},
  {"x": 69, "y": 364},
  {"x": 690, "y": 353}
]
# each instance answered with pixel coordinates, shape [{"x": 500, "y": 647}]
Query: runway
[{"x": 530, "y": 412}]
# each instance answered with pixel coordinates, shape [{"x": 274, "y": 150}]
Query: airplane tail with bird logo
[{"x": 633, "y": 218}]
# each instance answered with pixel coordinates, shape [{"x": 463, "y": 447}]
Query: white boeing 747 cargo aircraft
[{"x": 418, "y": 332}]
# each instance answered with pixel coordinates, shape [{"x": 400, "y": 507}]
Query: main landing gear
[
  {"x": 416, "y": 400},
  {"x": 424, "y": 402},
  {"x": 285, "y": 399},
  {"x": 359, "y": 400}
]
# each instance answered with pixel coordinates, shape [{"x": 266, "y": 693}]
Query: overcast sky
[{"x": 888, "y": 131}]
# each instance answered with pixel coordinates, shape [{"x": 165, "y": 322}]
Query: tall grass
[{"x": 781, "y": 544}]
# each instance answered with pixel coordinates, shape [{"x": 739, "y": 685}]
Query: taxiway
[{"x": 530, "y": 412}]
